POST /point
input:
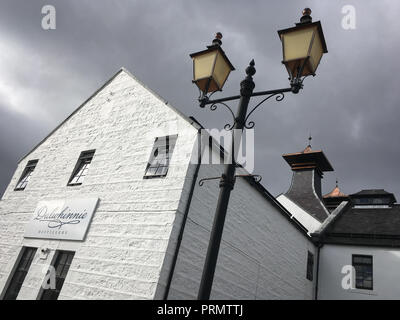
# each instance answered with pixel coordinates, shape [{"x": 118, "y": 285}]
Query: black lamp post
[{"x": 303, "y": 47}]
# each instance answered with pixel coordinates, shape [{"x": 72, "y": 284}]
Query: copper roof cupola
[
  {"x": 334, "y": 198},
  {"x": 308, "y": 167}
]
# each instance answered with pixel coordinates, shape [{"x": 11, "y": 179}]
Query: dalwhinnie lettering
[{"x": 58, "y": 218}]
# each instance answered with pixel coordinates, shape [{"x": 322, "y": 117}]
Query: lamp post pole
[
  {"x": 226, "y": 185},
  {"x": 303, "y": 47}
]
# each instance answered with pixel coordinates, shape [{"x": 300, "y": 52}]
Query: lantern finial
[
  {"x": 217, "y": 41},
  {"x": 306, "y": 18}
]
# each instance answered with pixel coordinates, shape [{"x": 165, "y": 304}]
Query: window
[
  {"x": 26, "y": 175},
  {"x": 363, "y": 267},
  {"x": 81, "y": 168},
  {"x": 20, "y": 273},
  {"x": 160, "y": 157},
  {"x": 310, "y": 266},
  {"x": 61, "y": 266}
]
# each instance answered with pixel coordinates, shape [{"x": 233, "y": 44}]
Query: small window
[
  {"x": 26, "y": 175},
  {"x": 160, "y": 157},
  {"x": 81, "y": 168},
  {"x": 20, "y": 273},
  {"x": 310, "y": 266},
  {"x": 363, "y": 267},
  {"x": 63, "y": 260}
]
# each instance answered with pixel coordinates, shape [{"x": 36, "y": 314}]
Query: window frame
[
  {"x": 363, "y": 287},
  {"x": 84, "y": 155},
  {"x": 170, "y": 142},
  {"x": 28, "y": 170},
  {"x": 18, "y": 267},
  {"x": 55, "y": 293},
  {"x": 310, "y": 266}
]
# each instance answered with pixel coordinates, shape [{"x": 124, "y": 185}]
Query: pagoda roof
[{"x": 308, "y": 159}]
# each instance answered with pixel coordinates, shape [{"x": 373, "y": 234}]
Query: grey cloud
[{"x": 351, "y": 107}]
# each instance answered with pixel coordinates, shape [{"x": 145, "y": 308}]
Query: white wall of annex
[{"x": 386, "y": 273}]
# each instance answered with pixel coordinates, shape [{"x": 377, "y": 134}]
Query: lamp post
[{"x": 303, "y": 47}]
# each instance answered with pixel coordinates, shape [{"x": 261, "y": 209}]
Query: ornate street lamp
[
  {"x": 211, "y": 67},
  {"x": 303, "y": 47}
]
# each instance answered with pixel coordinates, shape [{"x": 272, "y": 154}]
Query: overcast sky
[{"x": 351, "y": 107}]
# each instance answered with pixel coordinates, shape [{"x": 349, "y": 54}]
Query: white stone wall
[
  {"x": 124, "y": 251},
  {"x": 131, "y": 241},
  {"x": 386, "y": 275},
  {"x": 262, "y": 255}
]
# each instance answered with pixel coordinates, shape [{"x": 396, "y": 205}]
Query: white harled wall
[
  {"x": 262, "y": 255},
  {"x": 131, "y": 241},
  {"x": 124, "y": 250}
]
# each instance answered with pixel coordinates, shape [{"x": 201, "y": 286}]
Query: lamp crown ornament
[
  {"x": 250, "y": 70},
  {"x": 217, "y": 40},
  {"x": 306, "y": 17}
]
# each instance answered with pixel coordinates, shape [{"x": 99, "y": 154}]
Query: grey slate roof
[
  {"x": 372, "y": 192},
  {"x": 367, "y": 226},
  {"x": 302, "y": 193}
]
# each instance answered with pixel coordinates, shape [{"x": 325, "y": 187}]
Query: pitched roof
[{"x": 367, "y": 226}]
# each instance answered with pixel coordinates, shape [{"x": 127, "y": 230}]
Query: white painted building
[
  {"x": 359, "y": 248},
  {"x": 111, "y": 199},
  {"x": 357, "y": 236}
]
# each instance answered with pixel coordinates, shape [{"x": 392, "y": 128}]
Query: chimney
[{"x": 308, "y": 167}]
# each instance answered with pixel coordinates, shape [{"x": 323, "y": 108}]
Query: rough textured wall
[
  {"x": 125, "y": 248},
  {"x": 262, "y": 255}
]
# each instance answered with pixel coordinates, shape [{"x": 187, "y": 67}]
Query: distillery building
[
  {"x": 109, "y": 206},
  {"x": 110, "y": 202}
]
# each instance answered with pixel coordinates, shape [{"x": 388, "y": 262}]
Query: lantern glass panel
[
  {"x": 316, "y": 52},
  {"x": 203, "y": 65},
  {"x": 221, "y": 71},
  {"x": 296, "y": 44}
]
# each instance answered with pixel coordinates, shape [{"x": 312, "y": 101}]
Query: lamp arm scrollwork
[
  {"x": 278, "y": 97},
  {"x": 228, "y": 126}
]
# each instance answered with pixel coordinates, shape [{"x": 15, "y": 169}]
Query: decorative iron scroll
[{"x": 278, "y": 97}]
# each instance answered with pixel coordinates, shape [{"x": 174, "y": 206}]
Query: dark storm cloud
[
  {"x": 351, "y": 107},
  {"x": 18, "y": 133}
]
